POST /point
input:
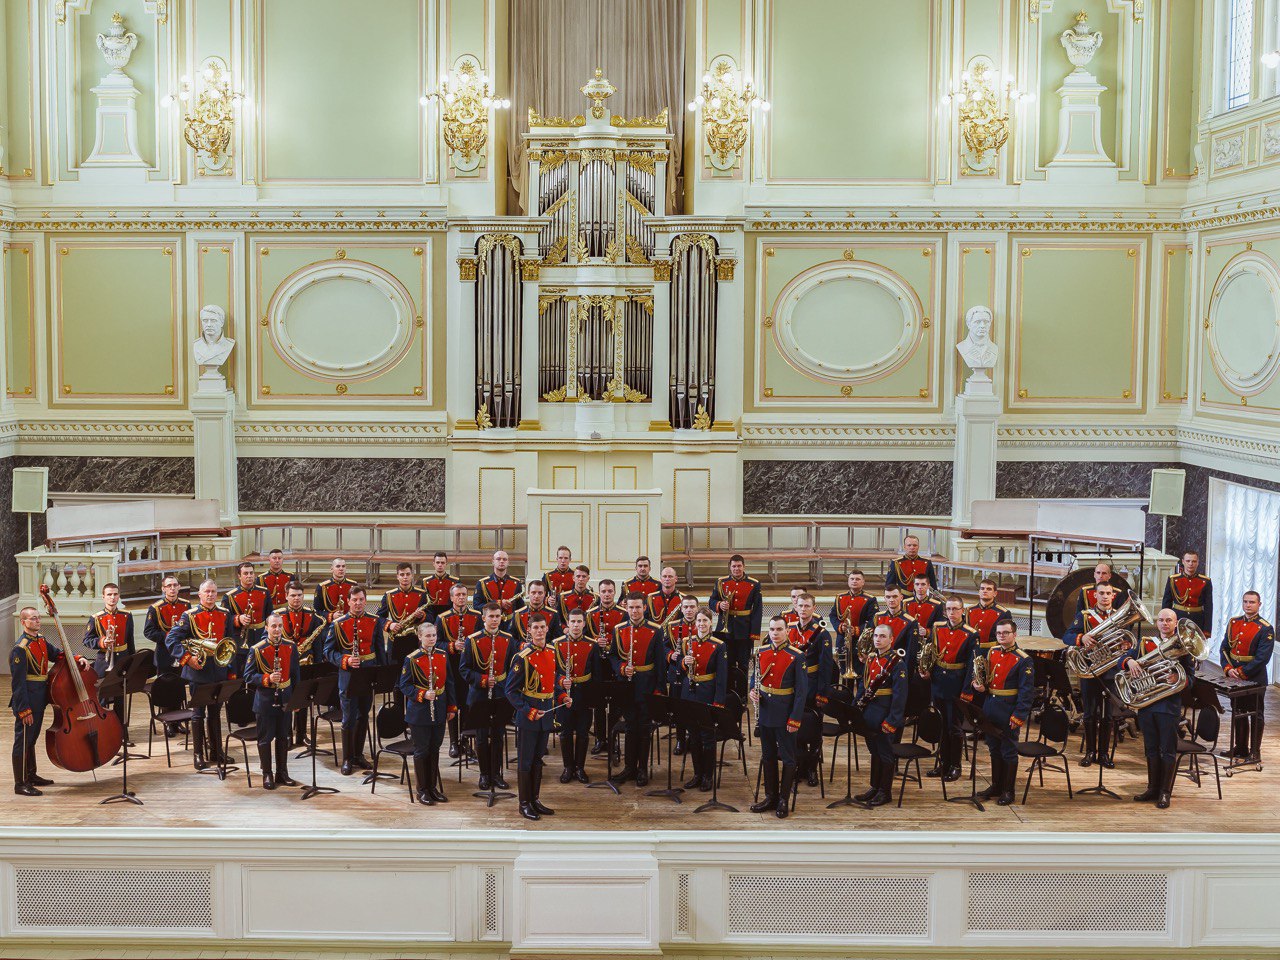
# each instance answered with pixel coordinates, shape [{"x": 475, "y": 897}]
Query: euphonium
[
  {"x": 1112, "y": 640},
  {"x": 201, "y": 648},
  {"x": 1164, "y": 675}
]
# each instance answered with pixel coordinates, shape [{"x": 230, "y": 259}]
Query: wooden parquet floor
[{"x": 180, "y": 797}]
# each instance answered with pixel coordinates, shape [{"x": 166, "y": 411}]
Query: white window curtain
[
  {"x": 555, "y": 47},
  {"x": 1244, "y": 550}
]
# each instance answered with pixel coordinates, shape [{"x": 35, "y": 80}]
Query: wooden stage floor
[{"x": 180, "y": 797}]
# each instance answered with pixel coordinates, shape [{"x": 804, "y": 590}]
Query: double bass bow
[{"x": 84, "y": 735}]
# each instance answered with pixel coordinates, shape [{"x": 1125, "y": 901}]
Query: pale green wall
[
  {"x": 339, "y": 90},
  {"x": 15, "y": 24},
  {"x": 1054, "y": 67},
  {"x": 851, "y": 89},
  {"x": 18, "y": 270}
]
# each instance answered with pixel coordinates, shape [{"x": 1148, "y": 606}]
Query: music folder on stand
[
  {"x": 309, "y": 693},
  {"x": 113, "y": 685}
]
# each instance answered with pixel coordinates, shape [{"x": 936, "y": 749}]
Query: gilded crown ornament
[
  {"x": 598, "y": 90},
  {"x": 1081, "y": 45}
]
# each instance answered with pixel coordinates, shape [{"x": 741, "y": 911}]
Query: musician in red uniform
[
  {"x": 902, "y": 625},
  {"x": 1245, "y": 655},
  {"x": 535, "y": 686},
  {"x": 331, "y": 595},
  {"x": 579, "y": 659},
  {"x": 30, "y": 661},
  {"x": 701, "y": 673},
  {"x": 1189, "y": 594},
  {"x": 500, "y": 588},
  {"x": 459, "y": 621},
  {"x": 955, "y": 642},
  {"x": 249, "y": 605},
  {"x": 808, "y": 636},
  {"x": 1158, "y": 720},
  {"x": 579, "y": 596},
  {"x": 637, "y": 657},
  {"x": 851, "y": 613},
  {"x": 110, "y": 634},
  {"x": 189, "y": 642},
  {"x": 439, "y": 585},
  {"x": 536, "y": 608},
  {"x": 1098, "y": 708},
  {"x": 902, "y": 572},
  {"x": 677, "y": 632},
  {"x": 664, "y": 603},
  {"x": 354, "y": 642},
  {"x": 602, "y": 619},
  {"x": 1087, "y": 598},
  {"x": 561, "y": 578},
  {"x": 273, "y": 673},
  {"x": 402, "y": 609},
  {"x": 1010, "y": 689},
  {"x": 737, "y": 601},
  {"x": 779, "y": 688},
  {"x": 986, "y": 613},
  {"x": 276, "y": 580},
  {"x": 485, "y": 659},
  {"x": 791, "y": 614},
  {"x": 303, "y": 627},
  {"x": 885, "y": 699},
  {"x": 642, "y": 582},
  {"x": 161, "y": 616},
  {"x": 427, "y": 684}
]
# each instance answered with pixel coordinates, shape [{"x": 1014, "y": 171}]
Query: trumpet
[
  {"x": 1163, "y": 675},
  {"x": 111, "y": 645},
  {"x": 1112, "y": 640}
]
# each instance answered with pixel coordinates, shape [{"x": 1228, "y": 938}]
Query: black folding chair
[
  {"x": 244, "y": 725},
  {"x": 1203, "y": 743},
  {"x": 923, "y": 745},
  {"x": 391, "y": 725},
  {"x": 167, "y": 699},
  {"x": 1054, "y": 729}
]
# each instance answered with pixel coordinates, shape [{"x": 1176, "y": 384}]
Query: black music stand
[
  {"x": 847, "y": 715},
  {"x": 707, "y": 716},
  {"x": 310, "y": 693},
  {"x": 606, "y": 694},
  {"x": 382, "y": 681},
  {"x": 315, "y": 671},
  {"x": 138, "y": 669},
  {"x": 981, "y": 725},
  {"x": 214, "y": 696},
  {"x": 493, "y": 714},
  {"x": 668, "y": 710},
  {"x": 1100, "y": 789},
  {"x": 112, "y": 686}
]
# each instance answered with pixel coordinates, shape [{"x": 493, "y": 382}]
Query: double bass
[{"x": 84, "y": 735}]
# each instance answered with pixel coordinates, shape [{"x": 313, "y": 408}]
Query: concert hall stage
[{"x": 212, "y": 868}]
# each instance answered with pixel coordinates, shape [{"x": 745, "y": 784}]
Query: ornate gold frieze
[
  {"x": 660, "y": 120},
  {"x": 642, "y": 161},
  {"x": 536, "y": 120},
  {"x": 467, "y": 269},
  {"x": 724, "y": 268},
  {"x": 548, "y": 160},
  {"x": 662, "y": 271},
  {"x": 529, "y": 268},
  {"x": 486, "y": 244}
]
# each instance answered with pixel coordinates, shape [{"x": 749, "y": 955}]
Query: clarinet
[
  {"x": 685, "y": 646},
  {"x": 431, "y": 679},
  {"x": 493, "y": 655},
  {"x": 276, "y": 699},
  {"x": 631, "y": 649}
]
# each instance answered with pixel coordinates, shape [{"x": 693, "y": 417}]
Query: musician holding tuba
[
  {"x": 1158, "y": 719},
  {"x": 778, "y": 690},
  {"x": 203, "y": 642},
  {"x": 1010, "y": 686},
  {"x": 272, "y": 671},
  {"x": 426, "y": 680},
  {"x": 946, "y": 654},
  {"x": 1097, "y": 707}
]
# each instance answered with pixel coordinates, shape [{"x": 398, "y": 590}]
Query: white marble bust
[
  {"x": 212, "y": 349},
  {"x": 977, "y": 349}
]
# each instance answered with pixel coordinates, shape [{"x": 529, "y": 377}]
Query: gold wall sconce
[
  {"x": 209, "y": 113},
  {"x": 466, "y": 101},
  {"x": 727, "y": 101},
  {"x": 985, "y": 100}
]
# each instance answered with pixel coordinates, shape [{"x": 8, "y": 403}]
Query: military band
[{"x": 546, "y": 652}]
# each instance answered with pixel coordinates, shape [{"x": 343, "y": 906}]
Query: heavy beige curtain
[{"x": 556, "y": 45}]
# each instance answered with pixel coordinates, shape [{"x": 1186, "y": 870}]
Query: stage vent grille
[
  {"x": 491, "y": 914},
  {"x": 110, "y": 898},
  {"x": 684, "y": 909},
  {"x": 1026, "y": 901},
  {"x": 830, "y": 906}
]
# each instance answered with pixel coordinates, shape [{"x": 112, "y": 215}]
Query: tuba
[
  {"x": 1164, "y": 675},
  {"x": 202, "y": 648},
  {"x": 1113, "y": 640}
]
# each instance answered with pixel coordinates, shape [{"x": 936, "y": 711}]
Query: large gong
[{"x": 1060, "y": 610}]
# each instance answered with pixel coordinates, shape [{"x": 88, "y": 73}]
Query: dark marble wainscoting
[
  {"x": 1080, "y": 479},
  {"x": 11, "y": 541},
  {"x": 338, "y": 484},
  {"x": 132, "y": 475},
  {"x": 878, "y": 487}
]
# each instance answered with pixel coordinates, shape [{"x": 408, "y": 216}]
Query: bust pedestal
[
  {"x": 116, "y": 141},
  {"x": 1080, "y": 130},
  {"x": 974, "y": 471},
  {"x": 213, "y": 409}
]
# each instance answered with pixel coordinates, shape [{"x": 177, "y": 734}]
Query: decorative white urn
[
  {"x": 1080, "y": 44},
  {"x": 116, "y": 45}
]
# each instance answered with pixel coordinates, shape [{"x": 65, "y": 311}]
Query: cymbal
[{"x": 1060, "y": 608}]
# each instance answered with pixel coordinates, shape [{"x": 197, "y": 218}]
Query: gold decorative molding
[
  {"x": 659, "y": 120},
  {"x": 529, "y": 268},
  {"x": 467, "y": 267},
  {"x": 662, "y": 271},
  {"x": 537, "y": 120},
  {"x": 725, "y": 268},
  {"x": 635, "y": 252},
  {"x": 556, "y": 253}
]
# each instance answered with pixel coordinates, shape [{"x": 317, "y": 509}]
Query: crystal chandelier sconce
[
  {"x": 984, "y": 100},
  {"x": 466, "y": 102},
  {"x": 209, "y": 113},
  {"x": 727, "y": 102}
]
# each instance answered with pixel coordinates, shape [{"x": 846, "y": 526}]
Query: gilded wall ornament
[{"x": 466, "y": 104}]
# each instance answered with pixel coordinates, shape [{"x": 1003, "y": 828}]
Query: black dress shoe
[
  {"x": 597, "y": 747},
  {"x": 782, "y": 810},
  {"x": 286, "y": 781},
  {"x": 499, "y": 783},
  {"x": 1106, "y": 763},
  {"x": 528, "y": 812},
  {"x": 200, "y": 763},
  {"x": 362, "y": 763},
  {"x": 766, "y": 803},
  {"x": 1162, "y": 801},
  {"x": 425, "y": 799},
  {"x": 26, "y": 790},
  {"x": 879, "y": 799},
  {"x": 346, "y": 768},
  {"x": 1005, "y": 799},
  {"x": 705, "y": 785},
  {"x": 679, "y": 749},
  {"x": 38, "y": 781},
  {"x": 542, "y": 808},
  {"x": 268, "y": 781},
  {"x": 814, "y": 778},
  {"x": 623, "y": 775},
  {"x": 642, "y": 778},
  {"x": 437, "y": 795},
  {"x": 1088, "y": 759},
  {"x": 566, "y": 774},
  {"x": 581, "y": 776},
  {"x": 453, "y": 751},
  {"x": 952, "y": 775},
  {"x": 484, "y": 782},
  {"x": 693, "y": 782},
  {"x": 865, "y": 795}
]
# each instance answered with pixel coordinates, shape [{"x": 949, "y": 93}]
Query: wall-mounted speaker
[
  {"x": 1166, "y": 492},
  {"x": 30, "y": 489}
]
